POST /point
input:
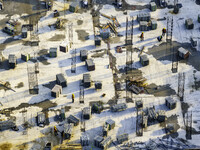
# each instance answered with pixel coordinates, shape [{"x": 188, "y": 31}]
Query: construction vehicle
[
  {"x": 113, "y": 18},
  {"x": 59, "y": 23}
]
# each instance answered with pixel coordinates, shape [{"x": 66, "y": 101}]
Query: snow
[{"x": 158, "y": 72}]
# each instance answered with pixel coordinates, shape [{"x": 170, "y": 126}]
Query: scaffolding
[
  {"x": 181, "y": 85},
  {"x": 32, "y": 78},
  {"x": 81, "y": 94},
  {"x": 188, "y": 122},
  {"x": 170, "y": 45},
  {"x": 73, "y": 62},
  {"x": 70, "y": 34},
  {"x": 129, "y": 54}
]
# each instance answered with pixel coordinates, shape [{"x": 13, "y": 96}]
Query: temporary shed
[
  {"x": 56, "y": 91},
  {"x": 85, "y": 140},
  {"x": 90, "y": 64},
  {"x": 110, "y": 123},
  {"x": 183, "y": 53},
  {"x": 24, "y": 32},
  {"x": 143, "y": 26},
  {"x": 53, "y": 52},
  {"x": 153, "y": 6},
  {"x": 153, "y": 24},
  {"x": 143, "y": 17},
  {"x": 64, "y": 47},
  {"x": 161, "y": 116},
  {"x": 170, "y": 103},
  {"x": 189, "y": 23},
  {"x": 87, "y": 113},
  {"x": 25, "y": 56},
  {"x": 41, "y": 119},
  {"x": 74, "y": 7},
  {"x": 86, "y": 80},
  {"x": 144, "y": 60},
  {"x": 60, "y": 80},
  {"x": 83, "y": 55},
  {"x": 12, "y": 60}
]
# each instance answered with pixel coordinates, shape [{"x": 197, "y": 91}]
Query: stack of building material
[
  {"x": 161, "y": 116},
  {"x": 12, "y": 60},
  {"x": 153, "y": 24},
  {"x": 68, "y": 130},
  {"x": 83, "y": 55},
  {"x": 90, "y": 64},
  {"x": 60, "y": 80},
  {"x": 105, "y": 129},
  {"x": 144, "y": 60},
  {"x": 118, "y": 107},
  {"x": 143, "y": 17},
  {"x": 122, "y": 138},
  {"x": 153, "y": 6},
  {"x": 110, "y": 123},
  {"x": 98, "y": 140},
  {"x": 135, "y": 89},
  {"x": 98, "y": 85},
  {"x": 106, "y": 106},
  {"x": 73, "y": 119},
  {"x": 86, "y": 80},
  {"x": 25, "y": 56},
  {"x": 139, "y": 104},
  {"x": 64, "y": 47},
  {"x": 53, "y": 52},
  {"x": 87, "y": 113},
  {"x": 183, "y": 53},
  {"x": 143, "y": 26},
  {"x": 56, "y": 91},
  {"x": 152, "y": 115},
  {"x": 85, "y": 140},
  {"x": 189, "y": 23},
  {"x": 170, "y": 103},
  {"x": 97, "y": 108},
  {"x": 24, "y": 32},
  {"x": 106, "y": 143}
]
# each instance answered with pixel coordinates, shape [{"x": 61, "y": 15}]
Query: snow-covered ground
[{"x": 158, "y": 72}]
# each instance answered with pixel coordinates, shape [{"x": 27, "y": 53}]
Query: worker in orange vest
[
  {"x": 164, "y": 31},
  {"x": 142, "y": 36},
  {"x": 73, "y": 97}
]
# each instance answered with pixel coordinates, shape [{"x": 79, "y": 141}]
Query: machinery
[
  {"x": 113, "y": 18},
  {"x": 56, "y": 13}
]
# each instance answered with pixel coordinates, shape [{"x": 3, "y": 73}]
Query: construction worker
[
  {"x": 73, "y": 98},
  {"x": 55, "y": 131},
  {"x": 164, "y": 31},
  {"x": 159, "y": 38},
  {"x": 49, "y": 5},
  {"x": 142, "y": 36}
]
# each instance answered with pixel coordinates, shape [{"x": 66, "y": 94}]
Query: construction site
[{"x": 99, "y": 74}]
